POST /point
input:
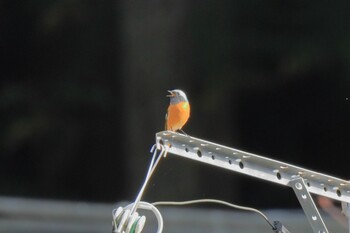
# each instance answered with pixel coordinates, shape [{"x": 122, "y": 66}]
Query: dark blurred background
[{"x": 83, "y": 87}]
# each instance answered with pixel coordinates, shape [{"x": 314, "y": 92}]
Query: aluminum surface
[
  {"x": 253, "y": 165},
  {"x": 309, "y": 207}
]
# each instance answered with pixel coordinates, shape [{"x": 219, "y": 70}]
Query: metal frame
[{"x": 303, "y": 181}]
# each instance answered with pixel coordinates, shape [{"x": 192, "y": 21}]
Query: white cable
[
  {"x": 214, "y": 201},
  {"x": 131, "y": 208},
  {"x": 126, "y": 216},
  {"x": 148, "y": 206},
  {"x": 151, "y": 169}
]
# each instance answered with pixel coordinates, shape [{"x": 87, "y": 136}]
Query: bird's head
[{"x": 177, "y": 96}]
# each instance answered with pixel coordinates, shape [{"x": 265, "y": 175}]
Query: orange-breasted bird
[{"x": 178, "y": 110}]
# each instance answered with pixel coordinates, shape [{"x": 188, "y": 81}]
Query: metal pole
[{"x": 303, "y": 181}]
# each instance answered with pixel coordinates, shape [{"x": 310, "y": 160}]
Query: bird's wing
[{"x": 166, "y": 121}]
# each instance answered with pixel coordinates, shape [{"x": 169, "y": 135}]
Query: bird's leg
[{"x": 183, "y": 132}]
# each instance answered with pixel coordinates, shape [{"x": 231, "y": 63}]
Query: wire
[
  {"x": 119, "y": 225},
  {"x": 144, "y": 205},
  {"x": 191, "y": 202},
  {"x": 154, "y": 162}
]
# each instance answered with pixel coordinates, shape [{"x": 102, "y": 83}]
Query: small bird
[{"x": 178, "y": 111}]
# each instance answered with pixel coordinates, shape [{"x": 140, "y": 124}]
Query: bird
[{"x": 178, "y": 111}]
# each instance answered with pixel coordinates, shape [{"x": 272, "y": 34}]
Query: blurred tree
[
  {"x": 59, "y": 100},
  {"x": 84, "y": 82}
]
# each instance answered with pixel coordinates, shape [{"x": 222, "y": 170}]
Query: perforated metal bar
[
  {"x": 253, "y": 165},
  {"x": 309, "y": 207}
]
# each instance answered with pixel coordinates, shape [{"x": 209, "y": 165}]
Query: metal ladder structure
[{"x": 302, "y": 181}]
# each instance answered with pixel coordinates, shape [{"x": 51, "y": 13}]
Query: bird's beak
[{"x": 171, "y": 94}]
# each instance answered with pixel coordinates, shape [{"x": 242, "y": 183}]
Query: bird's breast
[
  {"x": 182, "y": 108},
  {"x": 178, "y": 115}
]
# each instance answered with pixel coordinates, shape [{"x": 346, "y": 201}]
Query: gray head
[{"x": 177, "y": 96}]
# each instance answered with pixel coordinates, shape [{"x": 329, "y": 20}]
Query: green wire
[{"x": 133, "y": 227}]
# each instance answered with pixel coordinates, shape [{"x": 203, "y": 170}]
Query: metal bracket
[
  {"x": 309, "y": 207},
  {"x": 260, "y": 167},
  {"x": 346, "y": 211}
]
